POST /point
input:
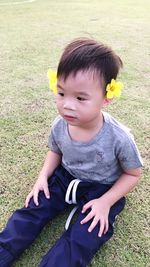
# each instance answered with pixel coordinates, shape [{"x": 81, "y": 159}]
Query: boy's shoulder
[
  {"x": 116, "y": 128},
  {"x": 58, "y": 123},
  {"x": 122, "y": 140}
]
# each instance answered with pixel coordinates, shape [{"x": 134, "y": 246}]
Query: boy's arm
[
  {"x": 50, "y": 164},
  {"x": 100, "y": 207},
  {"x": 124, "y": 185}
]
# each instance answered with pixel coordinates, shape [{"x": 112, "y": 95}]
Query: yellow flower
[
  {"x": 114, "y": 89},
  {"x": 52, "y": 76}
]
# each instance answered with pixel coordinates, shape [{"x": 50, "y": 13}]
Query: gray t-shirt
[{"x": 102, "y": 159}]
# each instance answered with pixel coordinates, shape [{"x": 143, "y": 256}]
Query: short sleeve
[
  {"x": 128, "y": 154},
  {"x": 53, "y": 137},
  {"x": 52, "y": 144}
]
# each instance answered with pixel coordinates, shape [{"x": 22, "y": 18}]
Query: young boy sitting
[{"x": 92, "y": 162}]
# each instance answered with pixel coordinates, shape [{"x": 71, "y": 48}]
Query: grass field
[{"x": 32, "y": 36}]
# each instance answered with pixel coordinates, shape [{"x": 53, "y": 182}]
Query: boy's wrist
[
  {"x": 43, "y": 176},
  {"x": 105, "y": 198}
]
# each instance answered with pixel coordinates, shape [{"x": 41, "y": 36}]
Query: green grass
[{"x": 32, "y": 37}]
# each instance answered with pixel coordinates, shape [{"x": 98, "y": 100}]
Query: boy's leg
[
  {"x": 26, "y": 223},
  {"x": 77, "y": 246}
]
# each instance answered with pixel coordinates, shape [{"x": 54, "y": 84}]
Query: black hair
[{"x": 89, "y": 54}]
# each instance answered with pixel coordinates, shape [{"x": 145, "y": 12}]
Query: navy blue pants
[{"x": 76, "y": 247}]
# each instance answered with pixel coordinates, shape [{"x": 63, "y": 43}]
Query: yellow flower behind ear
[
  {"x": 114, "y": 89},
  {"x": 52, "y": 76}
]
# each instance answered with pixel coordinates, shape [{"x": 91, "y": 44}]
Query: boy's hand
[
  {"x": 99, "y": 212},
  {"x": 40, "y": 185}
]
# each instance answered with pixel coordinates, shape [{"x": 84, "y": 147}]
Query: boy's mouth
[{"x": 69, "y": 118}]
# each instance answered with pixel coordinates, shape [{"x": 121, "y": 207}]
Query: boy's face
[{"x": 80, "y": 98}]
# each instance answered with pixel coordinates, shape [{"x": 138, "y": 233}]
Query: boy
[{"x": 93, "y": 161}]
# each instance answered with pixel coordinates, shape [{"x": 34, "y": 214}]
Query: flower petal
[
  {"x": 110, "y": 94},
  {"x": 108, "y": 87},
  {"x": 52, "y": 76},
  {"x": 117, "y": 92},
  {"x": 119, "y": 85},
  {"x": 113, "y": 82}
]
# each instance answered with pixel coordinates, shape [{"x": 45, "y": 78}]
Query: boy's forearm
[
  {"x": 124, "y": 185},
  {"x": 51, "y": 162}
]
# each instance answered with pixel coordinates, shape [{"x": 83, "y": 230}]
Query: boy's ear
[{"x": 107, "y": 102}]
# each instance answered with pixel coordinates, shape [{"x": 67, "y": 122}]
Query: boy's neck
[{"x": 87, "y": 132}]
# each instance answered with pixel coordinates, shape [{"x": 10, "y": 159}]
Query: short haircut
[{"x": 88, "y": 54}]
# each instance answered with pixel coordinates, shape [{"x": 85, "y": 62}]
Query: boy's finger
[
  {"x": 87, "y": 218},
  {"x": 106, "y": 226},
  {"x": 35, "y": 198},
  {"x": 46, "y": 192},
  {"x": 26, "y": 202},
  {"x": 102, "y": 226},
  {"x": 93, "y": 224},
  {"x": 28, "y": 199},
  {"x": 86, "y": 206}
]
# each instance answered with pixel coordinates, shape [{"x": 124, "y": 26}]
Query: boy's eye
[
  {"x": 81, "y": 98},
  {"x": 61, "y": 94}
]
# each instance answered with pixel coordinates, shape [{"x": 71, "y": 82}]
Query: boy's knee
[{"x": 6, "y": 258}]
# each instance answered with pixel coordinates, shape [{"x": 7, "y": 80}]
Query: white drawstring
[
  {"x": 72, "y": 187},
  {"x": 70, "y": 217}
]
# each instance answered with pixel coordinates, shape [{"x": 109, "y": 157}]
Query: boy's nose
[{"x": 69, "y": 105}]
